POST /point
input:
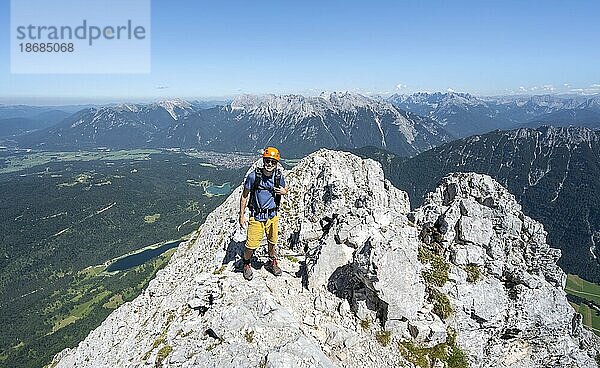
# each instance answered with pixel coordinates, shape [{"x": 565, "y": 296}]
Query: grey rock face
[
  {"x": 516, "y": 315},
  {"x": 353, "y": 284}
]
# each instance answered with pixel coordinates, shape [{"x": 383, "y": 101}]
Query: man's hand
[
  {"x": 280, "y": 190},
  {"x": 243, "y": 221}
]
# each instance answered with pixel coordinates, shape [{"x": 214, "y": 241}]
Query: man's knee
[{"x": 272, "y": 238}]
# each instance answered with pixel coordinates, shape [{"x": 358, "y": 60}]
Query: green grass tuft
[
  {"x": 473, "y": 273},
  {"x": 437, "y": 274},
  {"x": 457, "y": 359},
  {"x": 365, "y": 324},
  {"x": 416, "y": 355},
  {"x": 383, "y": 337},
  {"x": 441, "y": 304},
  {"x": 249, "y": 335},
  {"x": 291, "y": 258},
  {"x": 447, "y": 353},
  {"x": 220, "y": 270},
  {"x": 162, "y": 354}
]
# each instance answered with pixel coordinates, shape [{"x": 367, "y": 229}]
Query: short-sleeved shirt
[{"x": 264, "y": 198}]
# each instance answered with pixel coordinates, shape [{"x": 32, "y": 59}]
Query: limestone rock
[
  {"x": 516, "y": 314},
  {"x": 475, "y": 230}
]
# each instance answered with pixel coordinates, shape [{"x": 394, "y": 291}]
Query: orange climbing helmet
[{"x": 271, "y": 152}]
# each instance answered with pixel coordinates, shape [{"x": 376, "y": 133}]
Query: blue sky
[{"x": 204, "y": 49}]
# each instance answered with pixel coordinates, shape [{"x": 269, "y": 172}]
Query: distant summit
[{"x": 463, "y": 115}]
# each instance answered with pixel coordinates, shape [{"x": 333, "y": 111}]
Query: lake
[
  {"x": 218, "y": 190},
  {"x": 140, "y": 258}
]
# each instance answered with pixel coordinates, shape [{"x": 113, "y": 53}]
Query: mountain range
[
  {"x": 403, "y": 124},
  {"x": 21, "y": 119},
  {"x": 296, "y": 124},
  {"x": 462, "y": 114}
]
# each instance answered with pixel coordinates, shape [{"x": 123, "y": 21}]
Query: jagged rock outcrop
[
  {"x": 553, "y": 172},
  {"x": 366, "y": 283},
  {"x": 516, "y": 313}
]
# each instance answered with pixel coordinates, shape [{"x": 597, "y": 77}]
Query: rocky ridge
[{"x": 464, "y": 279}]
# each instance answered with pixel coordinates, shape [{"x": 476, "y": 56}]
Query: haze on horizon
[{"x": 218, "y": 50}]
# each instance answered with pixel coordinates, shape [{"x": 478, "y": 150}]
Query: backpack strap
[
  {"x": 255, "y": 184},
  {"x": 277, "y": 183}
]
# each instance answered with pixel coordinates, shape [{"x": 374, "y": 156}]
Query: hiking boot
[
  {"x": 247, "y": 271},
  {"x": 272, "y": 267}
]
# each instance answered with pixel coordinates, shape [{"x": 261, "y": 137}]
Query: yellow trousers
[{"x": 257, "y": 229}]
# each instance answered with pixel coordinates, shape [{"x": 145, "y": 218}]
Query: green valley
[
  {"x": 584, "y": 296},
  {"x": 65, "y": 215}
]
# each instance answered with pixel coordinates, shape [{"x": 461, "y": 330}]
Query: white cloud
[
  {"x": 450, "y": 90},
  {"x": 592, "y": 90},
  {"x": 560, "y": 88},
  {"x": 401, "y": 86}
]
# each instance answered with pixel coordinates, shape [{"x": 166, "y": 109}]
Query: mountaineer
[{"x": 265, "y": 186}]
